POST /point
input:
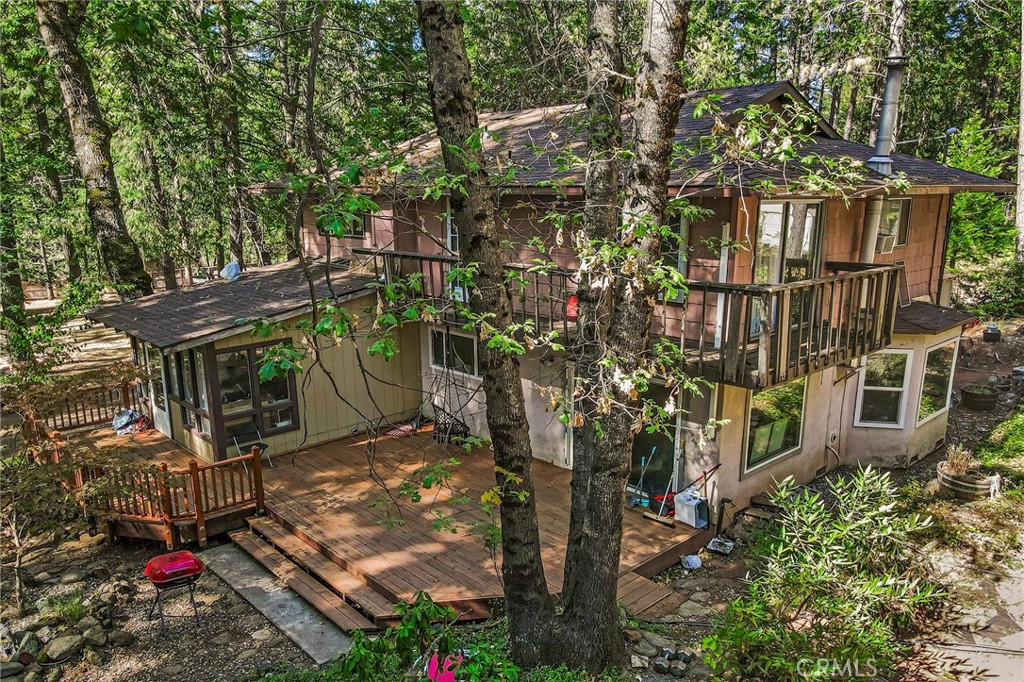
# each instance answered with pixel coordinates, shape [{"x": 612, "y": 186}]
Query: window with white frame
[
  {"x": 451, "y": 232},
  {"x": 456, "y": 352},
  {"x": 896, "y": 220},
  {"x": 776, "y": 422},
  {"x": 883, "y": 389},
  {"x": 937, "y": 383}
]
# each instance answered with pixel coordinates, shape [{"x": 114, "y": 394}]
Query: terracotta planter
[
  {"x": 979, "y": 397},
  {"x": 973, "y": 485}
]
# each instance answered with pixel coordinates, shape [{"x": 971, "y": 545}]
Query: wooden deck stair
[{"x": 306, "y": 586}]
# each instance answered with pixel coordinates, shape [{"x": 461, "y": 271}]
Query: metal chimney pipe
[
  {"x": 894, "y": 64},
  {"x": 881, "y": 162}
]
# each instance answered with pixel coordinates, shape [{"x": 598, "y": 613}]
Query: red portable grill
[{"x": 168, "y": 572}]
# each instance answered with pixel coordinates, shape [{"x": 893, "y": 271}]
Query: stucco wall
[{"x": 462, "y": 395}]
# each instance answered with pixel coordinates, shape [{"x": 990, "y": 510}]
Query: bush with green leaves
[
  {"x": 838, "y": 583},
  {"x": 993, "y": 292}
]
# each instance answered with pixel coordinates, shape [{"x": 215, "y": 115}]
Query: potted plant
[
  {"x": 961, "y": 476},
  {"x": 980, "y": 397}
]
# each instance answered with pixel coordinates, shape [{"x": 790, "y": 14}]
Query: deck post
[
  {"x": 165, "y": 505},
  {"x": 257, "y": 478},
  {"x": 197, "y": 502},
  {"x": 126, "y": 401}
]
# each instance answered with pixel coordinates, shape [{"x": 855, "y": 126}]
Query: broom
[{"x": 659, "y": 517}]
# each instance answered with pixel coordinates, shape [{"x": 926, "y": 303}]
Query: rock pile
[{"x": 658, "y": 653}]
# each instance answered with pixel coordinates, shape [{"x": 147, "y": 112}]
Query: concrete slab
[{"x": 321, "y": 639}]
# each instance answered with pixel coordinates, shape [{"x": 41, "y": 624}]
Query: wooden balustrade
[
  {"x": 178, "y": 497},
  {"x": 94, "y": 406},
  {"x": 540, "y": 296},
  {"x": 748, "y": 335}
]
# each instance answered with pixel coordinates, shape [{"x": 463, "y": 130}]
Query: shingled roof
[
  {"x": 188, "y": 317},
  {"x": 536, "y": 141}
]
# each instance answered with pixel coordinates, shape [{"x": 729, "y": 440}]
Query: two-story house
[{"x": 821, "y": 322}]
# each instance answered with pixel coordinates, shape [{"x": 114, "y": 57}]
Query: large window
[
  {"x": 456, "y": 352},
  {"x": 883, "y": 389},
  {"x": 896, "y": 220},
  {"x": 155, "y": 368},
  {"x": 250, "y": 403},
  {"x": 787, "y": 242},
  {"x": 776, "y": 422},
  {"x": 938, "y": 380},
  {"x": 189, "y": 390}
]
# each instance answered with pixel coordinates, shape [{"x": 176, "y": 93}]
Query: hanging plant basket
[
  {"x": 980, "y": 397},
  {"x": 971, "y": 485}
]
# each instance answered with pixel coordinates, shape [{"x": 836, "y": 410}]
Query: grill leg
[
  {"x": 158, "y": 604},
  {"x": 192, "y": 599}
]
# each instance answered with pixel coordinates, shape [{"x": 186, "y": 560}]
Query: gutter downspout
[{"x": 881, "y": 162}]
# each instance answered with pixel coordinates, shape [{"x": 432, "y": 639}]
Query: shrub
[
  {"x": 838, "y": 584},
  {"x": 69, "y": 607},
  {"x": 1002, "y": 452},
  {"x": 994, "y": 292}
]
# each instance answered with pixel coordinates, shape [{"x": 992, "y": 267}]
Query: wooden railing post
[
  {"x": 165, "y": 506},
  {"x": 257, "y": 478},
  {"x": 197, "y": 499},
  {"x": 126, "y": 401}
]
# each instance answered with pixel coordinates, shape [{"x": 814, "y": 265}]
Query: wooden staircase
[{"x": 343, "y": 598}]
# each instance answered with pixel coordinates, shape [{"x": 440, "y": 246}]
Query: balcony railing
[
  {"x": 756, "y": 336},
  {"x": 748, "y": 335},
  {"x": 540, "y": 298}
]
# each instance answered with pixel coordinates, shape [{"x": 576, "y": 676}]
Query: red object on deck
[
  {"x": 176, "y": 567},
  {"x": 572, "y": 308}
]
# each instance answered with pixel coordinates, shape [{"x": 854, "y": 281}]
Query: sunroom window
[
  {"x": 250, "y": 403},
  {"x": 776, "y": 422},
  {"x": 938, "y": 380},
  {"x": 883, "y": 389}
]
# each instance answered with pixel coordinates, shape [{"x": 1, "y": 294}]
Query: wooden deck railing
[
  {"x": 758, "y": 336},
  {"x": 94, "y": 406},
  {"x": 540, "y": 296},
  {"x": 748, "y": 335},
  {"x": 174, "y": 497}
]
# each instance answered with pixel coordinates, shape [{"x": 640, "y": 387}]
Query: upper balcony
[{"x": 748, "y": 335}]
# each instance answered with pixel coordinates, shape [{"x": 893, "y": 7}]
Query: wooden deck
[{"x": 325, "y": 496}]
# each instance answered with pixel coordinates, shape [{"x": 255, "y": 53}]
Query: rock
[
  {"x": 120, "y": 638},
  {"x": 692, "y": 610},
  {"x": 10, "y": 669},
  {"x": 63, "y": 648},
  {"x": 632, "y": 636},
  {"x": 100, "y": 572},
  {"x": 273, "y": 643},
  {"x": 48, "y": 619},
  {"x": 54, "y": 675},
  {"x": 42, "y": 576},
  {"x": 719, "y": 608},
  {"x": 660, "y": 665},
  {"x": 701, "y": 597},
  {"x": 263, "y": 635},
  {"x": 29, "y": 642},
  {"x": 86, "y": 540},
  {"x": 638, "y": 662},
  {"x": 44, "y": 606},
  {"x": 172, "y": 670},
  {"x": 677, "y": 669},
  {"x": 238, "y": 609},
  {"x": 684, "y": 654},
  {"x": 95, "y": 636},
  {"x": 644, "y": 648},
  {"x": 34, "y": 677},
  {"x": 223, "y": 639},
  {"x": 45, "y": 633},
  {"x": 74, "y": 575},
  {"x": 208, "y": 599},
  {"x": 87, "y": 623},
  {"x": 93, "y": 657},
  {"x": 247, "y": 654},
  {"x": 659, "y": 642}
]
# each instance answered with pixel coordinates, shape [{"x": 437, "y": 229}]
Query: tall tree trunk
[
  {"x": 1020, "y": 150},
  {"x": 590, "y": 615},
  {"x": 55, "y": 188},
  {"x": 162, "y": 209},
  {"x": 475, "y": 214},
  {"x": 12, "y": 296},
  {"x": 289, "y": 77},
  {"x": 851, "y": 106},
  {"x": 59, "y": 24},
  {"x": 601, "y": 217}
]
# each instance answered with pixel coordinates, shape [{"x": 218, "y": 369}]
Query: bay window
[
  {"x": 776, "y": 422},
  {"x": 937, "y": 383},
  {"x": 883, "y": 387}
]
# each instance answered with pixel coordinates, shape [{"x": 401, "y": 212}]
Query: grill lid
[{"x": 174, "y": 566}]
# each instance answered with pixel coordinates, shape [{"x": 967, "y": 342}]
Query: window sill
[
  {"x": 877, "y": 425},
  {"x": 775, "y": 459},
  {"x": 456, "y": 373}
]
